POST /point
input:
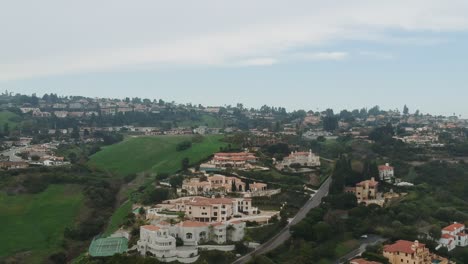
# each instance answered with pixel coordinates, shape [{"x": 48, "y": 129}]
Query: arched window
[{"x": 188, "y": 236}]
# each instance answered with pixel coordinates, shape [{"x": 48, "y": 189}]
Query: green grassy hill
[
  {"x": 7, "y": 117},
  {"x": 35, "y": 222},
  {"x": 154, "y": 153}
]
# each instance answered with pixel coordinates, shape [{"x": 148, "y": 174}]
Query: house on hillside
[
  {"x": 454, "y": 235},
  {"x": 157, "y": 241},
  {"x": 404, "y": 252},
  {"x": 367, "y": 192},
  {"x": 308, "y": 159},
  {"x": 386, "y": 173}
]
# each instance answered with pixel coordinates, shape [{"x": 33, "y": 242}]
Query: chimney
[
  {"x": 372, "y": 179},
  {"x": 387, "y": 164},
  {"x": 416, "y": 244}
]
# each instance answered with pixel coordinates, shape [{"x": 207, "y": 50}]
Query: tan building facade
[{"x": 408, "y": 252}]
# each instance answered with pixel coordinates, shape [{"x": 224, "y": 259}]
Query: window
[{"x": 188, "y": 236}]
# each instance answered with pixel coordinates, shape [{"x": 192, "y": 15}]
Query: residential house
[
  {"x": 61, "y": 114},
  {"x": 156, "y": 240},
  {"x": 233, "y": 160},
  {"x": 408, "y": 252},
  {"x": 454, "y": 235},
  {"x": 302, "y": 158},
  {"x": 204, "y": 209},
  {"x": 367, "y": 192},
  {"x": 386, "y": 173},
  {"x": 193, "y": 233},
  {"x": 11, "y": 165},
  {"x": 220, "y": 183}
]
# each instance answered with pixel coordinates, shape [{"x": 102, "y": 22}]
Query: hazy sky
[{"x": 297, "y": 54}]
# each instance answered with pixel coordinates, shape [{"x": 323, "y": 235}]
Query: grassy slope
[
  {"x": 5, "y": 117},
  {"x": 117, "y": 217},
  {"x": 35, "y": 222},
  {"x": 157, "y": 154}
]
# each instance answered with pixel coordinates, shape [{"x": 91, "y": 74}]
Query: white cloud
[
  {"x": 259, "y": 62},
  {"x": 53, "y": 37},
  {"x": 334, "y": 56}
]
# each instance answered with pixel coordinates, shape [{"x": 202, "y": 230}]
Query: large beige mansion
[
  {"x": 235, "y": 160},
  {"x": 219, "y": 183},
  {"x": 408, "y": 252},
  {"x": 204, "y": 209},
  {"x": 302, "y": 158}
]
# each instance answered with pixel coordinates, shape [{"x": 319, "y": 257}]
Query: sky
[{"x": 299, "y": 54}]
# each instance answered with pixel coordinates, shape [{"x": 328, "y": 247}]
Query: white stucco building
[
  {"x": 156, "y": 241},
  {"x": 454, "y": 235},
  {"x": 160, "y": 239},
  {"x": 386, "y": 173},
  {"x": 303, "y": 158}
]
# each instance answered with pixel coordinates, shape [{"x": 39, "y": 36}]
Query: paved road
[
  {"x": 11, "y": 153},
  {"x": 371, "y": 240},
  {"x": 284, "y": 234}
]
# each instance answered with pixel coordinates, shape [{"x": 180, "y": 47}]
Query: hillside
[
  {"x": 7, "y": 117},
  {"x": 153, "y": 153},
  {"x": 35, "y": 222}
]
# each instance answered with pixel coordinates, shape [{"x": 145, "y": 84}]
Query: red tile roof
[
  {"x": 385, "y": 167},
  {"x": 403, "y": 246},
  {"x": 371, "y": 183},
  {"x": 192, "y": 224},
  {"x": 453, "y": 227},
  {"x": 226, "y": 154},
  {"x": 150, "y": 227},
  {"x": 447, "y": 236}
]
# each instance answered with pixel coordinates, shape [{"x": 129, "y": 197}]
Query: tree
[
  {"x": 72, "y": 157},
  {"x": 35, "y": 158},
  {"x": 405, "y": 110},
  {"x": 330, "y": 123},
  {"x": 75, "y": 133},
  {"x": 142, "y": 211},
  {"x": 183, "y": 145},
  {"x": 233, "y": 186},
  {"x": 185, "y": 163},
  {"x": 157, "y": 195},
  {"x": 176, "y": 180}
]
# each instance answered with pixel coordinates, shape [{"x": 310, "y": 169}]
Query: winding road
[{"x": 285, "y": 234}]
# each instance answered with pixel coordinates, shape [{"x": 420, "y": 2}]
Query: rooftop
[
  {"x": 150, "y": 227},
  {"x": 453, "y": 227},
  {"x": 403, "y": 246}
]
